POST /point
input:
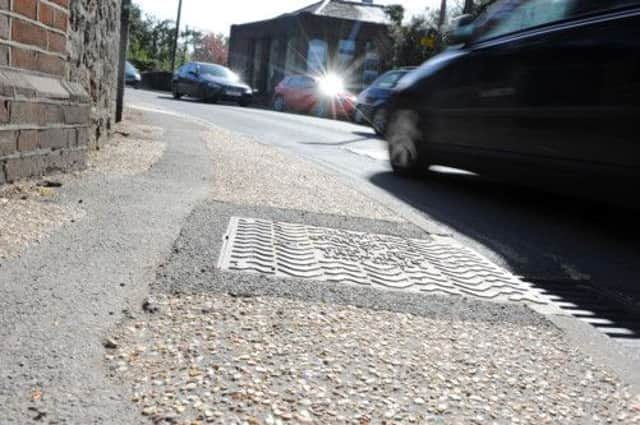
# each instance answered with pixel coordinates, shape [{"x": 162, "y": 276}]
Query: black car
[
  {"x": 536, "y": 88},
  {"x": 132, "y": 76},
  {"x": 210, "y": 82},
  {"x": 372, "y": 106}
]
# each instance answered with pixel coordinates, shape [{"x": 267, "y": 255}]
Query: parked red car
[{"x": 321, "y": 96}]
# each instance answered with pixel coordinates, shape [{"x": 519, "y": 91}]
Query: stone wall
[
  {"x": 58, "y": 72},
  {"x": 93, "y": 48}
]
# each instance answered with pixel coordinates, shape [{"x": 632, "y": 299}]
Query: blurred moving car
[
  {"x": 321, "y": 96},
  {"x": 372, "y": 104},
  {"x": 548, "y": 89},
  {"x": 132, "y": 75},
  {"x": 210, "y": 82}
]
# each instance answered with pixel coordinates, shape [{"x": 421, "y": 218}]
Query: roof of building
[{"x": 344, "y": 9}]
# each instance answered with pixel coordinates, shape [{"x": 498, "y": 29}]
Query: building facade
[
  {"x": 58, "y": 77},
  {"x": 348, "y": 38}
]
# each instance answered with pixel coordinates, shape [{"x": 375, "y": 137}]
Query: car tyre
[
  {"x": 244, "y": 102},
  {"x": 404, "y": 137},
  {"x": 380, "y": 120},
  {"x": 279, "y": 104},
  {"x": 176, "y": 95}
]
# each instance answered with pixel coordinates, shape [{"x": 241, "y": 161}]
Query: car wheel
[
  {"x": 404, "y": 137},
  {"x": 176, "y": 95},
  {"x": 379, "y": 121},
  {"x": 244, "y": 102},
  {"x": 279, "y": 104}
]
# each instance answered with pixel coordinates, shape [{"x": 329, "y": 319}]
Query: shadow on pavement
[{"x": 584, "y": 254}]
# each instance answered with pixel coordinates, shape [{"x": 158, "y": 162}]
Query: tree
[
  {"x": 395, "y": 12},
  {"x": 212, "y": 48}
]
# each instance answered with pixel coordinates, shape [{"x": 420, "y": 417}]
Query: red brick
[
  {"x": 26, "y": 113},
  {"x": 46, "y": 14},
  {"x": 23, "y": 58},
  {"x": 63, "y": 3},
  {"x": 51, "y": 64},
  {"x": 5, "y": 58},
  {"x": 36, "y": 61},
  {"x": 82, "y": 136},
  {"x": 28, "y": 33},
  {"x": 27, "y": 8},
  {"x": 7, "y": 142},
  {"x": 57, "y": 43},
  {"x": 4, "y": 27},
  {"x": 5, "y": 113},
  {"x": 53, "y": 114},
  {"x": 76, "y": 114},
  {"x": 55, "y": 138},
  {"x": 60, "y": 20},
  {"x": 27, "y": 140},
  {"x": 18, "y": 168}
]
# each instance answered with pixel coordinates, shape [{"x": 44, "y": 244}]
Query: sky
[{"x": 218, "y": 15}]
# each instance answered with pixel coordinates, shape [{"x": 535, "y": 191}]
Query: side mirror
[{"x": 462, "y": 29}]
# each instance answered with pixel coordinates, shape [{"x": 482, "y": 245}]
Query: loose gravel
[
  {"x": 133, "y": 149},
  {"x": 28, "y": 215},
  {"x": 250, "y": 173},
  {"x": 30, "y": 210},
  {"x": 228, "y": 360}
]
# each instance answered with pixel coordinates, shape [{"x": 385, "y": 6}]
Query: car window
[
  {"x": 518, "y": 15},
  {"x": 217, "y": 71},
  {"x": 510, "y": 16},
  {"x": 186, "y": 70},
  {"x": 307, "y": 82},
  {"x": 583, "y": 7},
  {"x": 294, "y": 82},
  {"x": 389, "y": 81}
]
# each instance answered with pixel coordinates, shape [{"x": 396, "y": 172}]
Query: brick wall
[{"x": 46, "y": 110}]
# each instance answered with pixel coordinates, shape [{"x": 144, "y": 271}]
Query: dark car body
[
  {"x": 132, "y": 75},
  {"x": 558, "y": 100},
  {"x": 372, "y": 104},
  {"x": 210, "y": 82},
  {"x": 302, "y": 93}
]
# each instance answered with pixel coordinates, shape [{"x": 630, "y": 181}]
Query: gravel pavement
[
  {"x": 250, "y": 173},
  {"x": 79, "y": 346},
  {"x": 61, "y": 296},
  {"x": 228, "y": 360}
]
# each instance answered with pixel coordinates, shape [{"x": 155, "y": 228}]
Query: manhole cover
[{"x": 437, "y": 265}]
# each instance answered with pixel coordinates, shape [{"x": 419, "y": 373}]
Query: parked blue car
[{"x": 372, "y": 107}]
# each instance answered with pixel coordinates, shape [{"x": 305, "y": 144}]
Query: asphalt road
[{"x": 583, "y": 252}]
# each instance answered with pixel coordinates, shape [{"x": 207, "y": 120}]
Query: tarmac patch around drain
[{"x": 433, "y": 265}]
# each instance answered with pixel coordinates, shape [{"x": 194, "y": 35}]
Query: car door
[
  {"x": 192, "y": 80},
  {"x": 555, "y": 79},
  {"x": 178, "y": 79},
  {"x": 287, "y": 91},
  {"x": 307, "y": 93}
]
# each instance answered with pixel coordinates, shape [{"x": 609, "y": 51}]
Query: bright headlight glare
[{"x": 331, "y": 85}]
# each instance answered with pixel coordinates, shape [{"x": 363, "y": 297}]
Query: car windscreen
[
  {"x": 130, "y": 69},
  {"x": 218, "y": 71},
  {"x": 390, "y": 80},
  {"x": 511, "y": 16}
]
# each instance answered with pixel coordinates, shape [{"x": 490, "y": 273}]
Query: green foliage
[
  {"x": 416, "y": 41},
  {"x": 151, "y": 43},
  {"x": 395, "y": 12},
  {"x": 423, "y": 36}
]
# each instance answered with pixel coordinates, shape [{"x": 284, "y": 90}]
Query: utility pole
[
  {"x": 443, "y": 15},
  {"x": 468, "y": 6},
  {"x": 175, "y": 38},
  {"x": 124, "y": 46}
]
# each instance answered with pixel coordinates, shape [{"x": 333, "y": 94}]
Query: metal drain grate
[{"x": 437, "y": 265}]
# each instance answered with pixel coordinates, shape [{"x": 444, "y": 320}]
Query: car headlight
[{"x": 330, "y": 85}]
